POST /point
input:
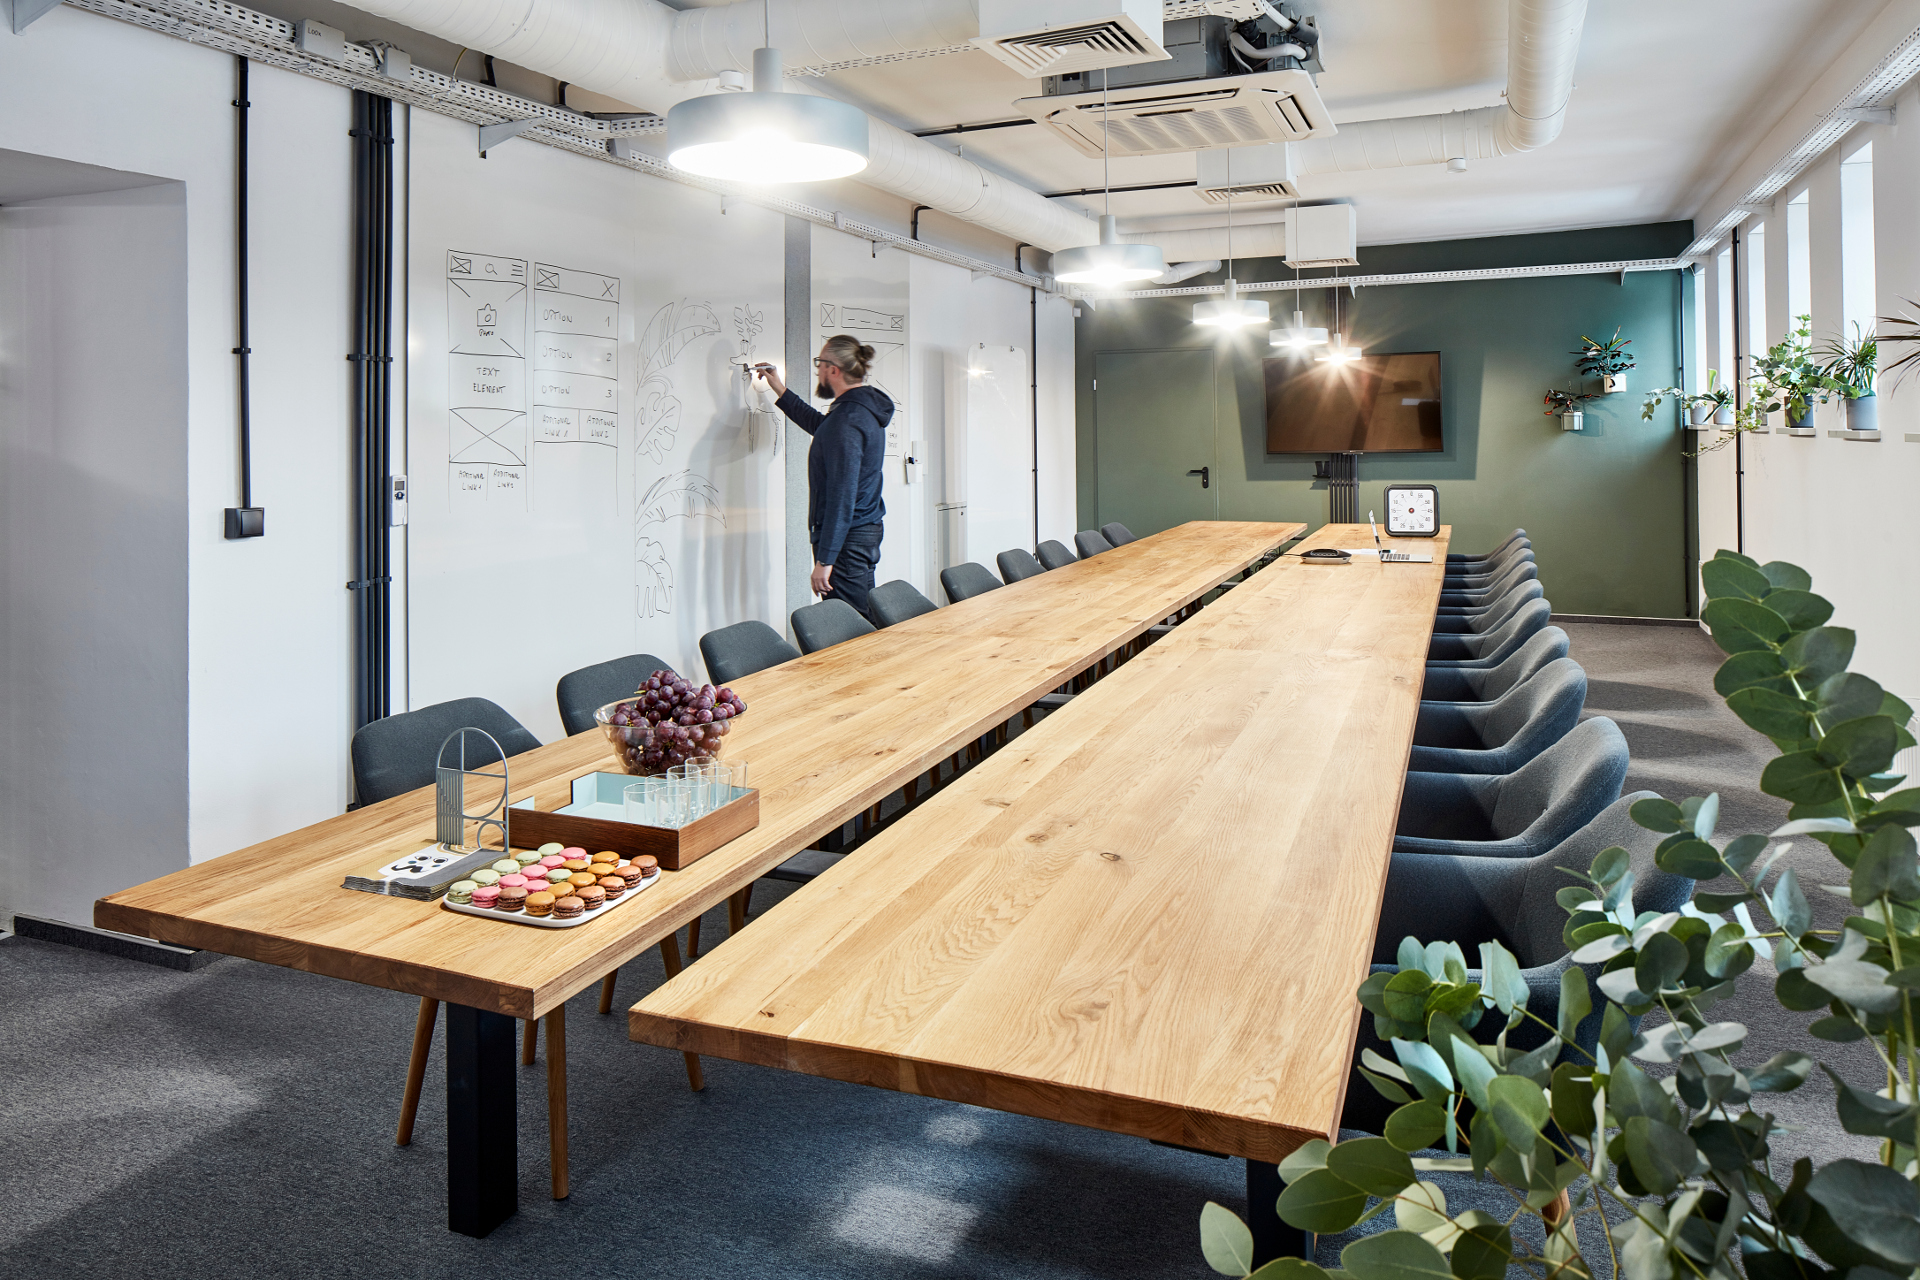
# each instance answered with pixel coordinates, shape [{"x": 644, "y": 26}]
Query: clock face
[{"x": 1413, "y": 511}]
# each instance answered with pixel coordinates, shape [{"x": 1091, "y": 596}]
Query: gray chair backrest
[
  {"x": 1018, "y": 564},
  {"x": 1561, "y": 789},
  {"x": 896, "y": 601},
  {"x": 583, "y": 692},
  {"x": 829, "y": 622},
  {"x": 398, "y": 754},
  {"x": 742, "y": 649},
  {"x": 1507, "y": 579},
  {"x": 1054, "y": 555},
  {"x": 1116, "y": 533},
  {"x": 1538, "y": 919},
  {"x": 1468, "y": 557},
  {"x": 1498, "y": 611},
  {"x": 1480, "y": 577},
  {"x": 1557, "y": 693},
  {"x": 1541, "y": 648},
  {"x": 1090, "y": 543},
  {"x": 1494, "y": 647},
  {"x": 965, "y": 581}
]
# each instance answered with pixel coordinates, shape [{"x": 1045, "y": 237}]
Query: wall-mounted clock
[{"x": 1413, "y": 510}]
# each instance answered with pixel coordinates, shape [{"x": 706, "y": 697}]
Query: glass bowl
[{"x": 630, "y": 742}]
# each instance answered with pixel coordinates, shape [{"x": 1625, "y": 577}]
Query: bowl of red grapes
[{"x": 668, "y": 721}]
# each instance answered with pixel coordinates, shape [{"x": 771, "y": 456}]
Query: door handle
[{"x": 1205, "y": 474}]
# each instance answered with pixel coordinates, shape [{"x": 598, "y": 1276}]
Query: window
[
  {"x": 1755, "y": 285},
  {"x": 1856, "y": 242},
  {"x": 1799, "y": 262},
  {"x": 1723, "y": 315}
]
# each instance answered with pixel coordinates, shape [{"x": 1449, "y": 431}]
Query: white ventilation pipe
[
  {"x": 1543, "y": 44},
  {"x": 709, "y": 40},
  {"x": 1250, "y": 240},
  {"x": 1180, "y": 271}
]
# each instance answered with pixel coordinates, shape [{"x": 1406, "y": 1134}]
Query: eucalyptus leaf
[
  {"x": 1705, "y": 816},
  {"x": 1754, "y": 669},
  {"x": 1781, "y": 1073},
  {"x": 1787, "y": 577},
  {"x": 1722, "y": 578},
  {"x": 1416, "y": 1126},
  {"x": 1777, "y": 715},
  {"x": 1812, "y": 826},
  {"x": 1519, "y": 1107},
  {"x": 1633, "y": 1093},
  {"x": 1619, "y": 986},
  {"x": 1741, "y": 626},
  {"x": 1289, "y": 1269},
  {"x": 1869, "y": 1114},
  {"x": 1801, "y": 777},
  {"x": 1848, "y": 696},
  {"x": 1319, "y": 1201},
  {"x": 1860, "y": 747},
  {"x": 1802, "y": 609},
  {"x": 1483, "y": 1250},
  {"x": 1394, "y": 1255},
  {"x": 1788, "y": 905},
  {"x": 1304, "y": 1159},
  {"x": 1225, "y": 1241},
  {"x": 1742, "y": 850},
  {"x": 1728, "y": 953},
  {"x": 1875, "y": 1206},
  {"x": 1601, "y": 950},
  {"x": 1662, "y": 1155},
  {"x": 1374, "y": 1165},
  {"x": 1694, "y": 859},
  {"x": 1836, "y": 1030},
  {"x": 1886, "y": 865},
  {"x": 1610, "y": 864},
  {"x": 1816, "y": 655},
  {"x": 1575, "y": 1002},
  {"x": 1661, "y": 962},
  {"x": 1717, "y": 902}
]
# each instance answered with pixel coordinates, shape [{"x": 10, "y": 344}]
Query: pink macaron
[
  {"x": 513, "y": 880},
  {"x": 572, "y": 853},
  {"x": 486, "y": 896},
  {"x": 551, "y": 861}
]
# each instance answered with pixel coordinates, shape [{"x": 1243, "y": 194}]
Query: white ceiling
[{"x": 1669, "y": 96}]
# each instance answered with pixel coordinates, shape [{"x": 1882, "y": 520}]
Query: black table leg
[
  {"x": 483, "y": 1159},
  {"x": 1272, "y": 1237}
]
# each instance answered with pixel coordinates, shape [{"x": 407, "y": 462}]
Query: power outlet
[{"x": 396, "y": 502}]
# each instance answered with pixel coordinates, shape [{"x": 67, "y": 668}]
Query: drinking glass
[
  {"x": 675, "y": 805},
  {"x": 717, "y": 778},
  {"x": 689, "y": 776},
  {"x": 640, "y": 802}
]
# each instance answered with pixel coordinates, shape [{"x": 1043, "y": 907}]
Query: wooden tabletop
[
  {"x": 826, "y": 737},
  {"x": 1148, "y": 914}
]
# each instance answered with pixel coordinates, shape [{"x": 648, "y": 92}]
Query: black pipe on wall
[
  {"x": 245, "y": 520},
  {"x": 372, "y": 357}
]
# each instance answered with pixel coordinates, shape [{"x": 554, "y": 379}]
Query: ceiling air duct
[
  {"x": 1077, "y": 36},
  {"x": 1245, "y": 173}
]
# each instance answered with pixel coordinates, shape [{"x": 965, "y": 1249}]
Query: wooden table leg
[
  {"x": 1272, "y": 1237},
  {"x": 670, "y": 961},
  {"x": 693, "y": 939},
  {"x": 417, "y": 1068},
  {"x": 606, "y": 992},
  {"x": 557, "y": 1099},
  {"x": 529, "y": 1040},
  {"x": 483, "y": 1155}
]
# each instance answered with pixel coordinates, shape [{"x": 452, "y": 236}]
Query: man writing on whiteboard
[{"x": 843, "y": 467}]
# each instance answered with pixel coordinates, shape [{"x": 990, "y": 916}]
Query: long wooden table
[
  {"x": 1148, "y": 914},
  {"x": 827, "y": 737}
]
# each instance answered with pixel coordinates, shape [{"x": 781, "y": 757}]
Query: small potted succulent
[
  {"x": 1714, "y": 404},
  {"x": 1788, "y": 377},
  {"x": 1607, "y": 361},
  {"x": 1850, "y": 367},
  {"x": 1565, "y": 405}
]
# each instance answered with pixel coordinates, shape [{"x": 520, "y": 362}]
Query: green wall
[{"x": 1606, "y": 507}]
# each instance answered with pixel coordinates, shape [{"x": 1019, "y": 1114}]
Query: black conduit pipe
[
  {"x": 372, "y": 358},
  {"x": 245, "y": 520}
]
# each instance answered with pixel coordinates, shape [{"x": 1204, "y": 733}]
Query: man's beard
[{"x": 823, "y": 392}]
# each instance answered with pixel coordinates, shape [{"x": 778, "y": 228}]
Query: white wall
[
  {"x": 1841, "y": 508},
  {"x": 93, "y": 566}
]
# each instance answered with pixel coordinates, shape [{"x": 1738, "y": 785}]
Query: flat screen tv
[{"x": 1376, "y": 404}]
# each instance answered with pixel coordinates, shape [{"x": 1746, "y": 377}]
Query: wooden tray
[{"x": 675, "y": 848}]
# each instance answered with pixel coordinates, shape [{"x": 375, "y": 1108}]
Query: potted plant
[
  {"x": 1565, "y": 405},
  {"x": 1607, "y": 361},
  {"x": 1788, "y": 377},
  {"x": 1850, "y": 366},
  {"x": 1715, "y": 404},
  {"x": 1658, "y": 1135}
]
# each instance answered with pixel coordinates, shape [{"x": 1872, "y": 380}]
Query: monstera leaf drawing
[
  {"x": 682, "y": 494},
  {"x": 652, "y": 579},
  {"x": 670, "y": 330},
  {"x": 746, "y": 325},
  {"x": 659, "y": 418}
]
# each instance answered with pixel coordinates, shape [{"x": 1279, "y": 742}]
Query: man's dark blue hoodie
[{"x": 844, "y": 465}]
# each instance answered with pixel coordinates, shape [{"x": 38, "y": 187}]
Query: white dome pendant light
[
  {"x": 1338, "y": 352},
  {"x": 1113, "y": 261},
  {"x": 1299, "y": 336},
  {"x": 768, "y": 135},
  {"x": 1232, "y": 311}
]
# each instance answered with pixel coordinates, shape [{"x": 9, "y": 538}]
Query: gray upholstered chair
[
  {"x": 1117, "y": 534},
  {"x": 1490, "y": 648},
  {"x": 583, "y": 692},
  {"x": 398, "y": 754},
  {"x": 896, "y": 601},
  {"x": 1510, "y": 577},
  {"x": 1018, "y": 564},
  {"x": 1488, "y": 617},
  {"x": 1054, "y": 555},
  {"x": 965, "y": 581},
  {"x": 829, "y": 622},
  {"x": 1481, "y": 579},
  {"x": 1511, "y": 901},
  {"x": 1465, "y": 560},
  {"x": 742, "y": 649},
  {"x": 1518, "y": 814},
  {"x": 1501, "y": 735},
  {"x": 1090, "y": 543},
  {"x": 1483, "y": 684}
]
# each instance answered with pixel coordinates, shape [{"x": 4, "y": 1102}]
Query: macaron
[
  {"x": 513, "y": 880},
  {"x": 485, "y": 896},
  {"x": 581, "y": 879},
  {"x": 512, "y": 899},
  {"x": 506, "y": 866},
  {"x": 630, "y": 875},
  {"x": 485, "y": 878},
  {"x": 526, "y": 857},
  {"x": 605, "y": 855},
  {"x": 613, "y": 885},
  {"x": 573, "y": 851},
  {"x": 461, "y": 891},
  {"x": 540, "y": 903},
  {"x": 559, "y": 875},
  {"x": 575, "y": 864},
  {"x": 551, "y": 846},
  {"x": 592, "y": 896},
  {"x": 648, "y": 864},
  {"x": 551, "y": 861},
  {"x": 567, "y": 908}
]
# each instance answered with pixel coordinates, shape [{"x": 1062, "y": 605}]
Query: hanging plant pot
[
  {"x": 1702, "y": 414},
  {"x": 1613, "y": 384},
  {"x": 1863, "y": 413},
  {"x": 1723, "y": 416},
  {"x": 1572, "y": 420}
]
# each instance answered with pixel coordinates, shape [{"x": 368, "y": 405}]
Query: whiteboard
[
  {"x": 586, "y": 481},
  {"x": 989, "y": 452}
]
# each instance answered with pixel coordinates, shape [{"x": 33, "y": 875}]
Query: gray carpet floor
[{"x": 238, "y": 1121}]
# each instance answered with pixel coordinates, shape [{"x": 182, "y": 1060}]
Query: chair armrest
[{"x": 1445, "y": 808}]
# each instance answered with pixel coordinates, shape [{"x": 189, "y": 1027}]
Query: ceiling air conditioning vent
[
  {"x": 1322, "y": 235},
  {"x": 1151, "y": 120},
  {"x": 1081, "y": 35},
  {"x": 1244, "y": 173}
]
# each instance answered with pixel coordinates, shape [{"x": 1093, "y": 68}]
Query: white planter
[
  {"x": 1613, "y": 384},
  {"x": 1572, "y": 421},
  {"x": 1723, "y": 416},
  {"x": 1701, "y": 414},
  {"x": 1863, "y": 414}
]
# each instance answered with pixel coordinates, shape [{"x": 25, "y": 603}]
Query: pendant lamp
[
  {"x": 1232, "y": 311},
  {"x": 1299, "y": 336},
  {"x": 767, "y": 135},
  {"x": 1338, "y": 352},
  {"x": 1113, "y": 261}
]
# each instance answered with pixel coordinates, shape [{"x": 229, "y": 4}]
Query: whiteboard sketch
[
  {"x": 682, "y": 494},
  {"x": 653, "y": 579},
  {"x": 668, "y": 333},
  {"x": 487, "y": 444},
  {"x": 576, "y": 390}
]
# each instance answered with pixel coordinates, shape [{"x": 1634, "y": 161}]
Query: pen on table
[{"x": 1376, "y": 531}]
